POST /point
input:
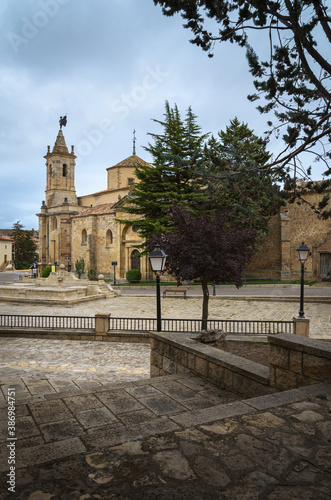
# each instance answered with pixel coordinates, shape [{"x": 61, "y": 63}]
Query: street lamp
[
  {"x": 157, "y": 259},
  {"x": 303, "y": 254},
  {"x": 114, "y": 263}
]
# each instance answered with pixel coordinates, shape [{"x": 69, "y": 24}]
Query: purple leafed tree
[{"x": 206, "y": 248}]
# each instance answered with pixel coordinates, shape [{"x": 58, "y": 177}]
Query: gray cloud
[{"x": 109, "y": 64}]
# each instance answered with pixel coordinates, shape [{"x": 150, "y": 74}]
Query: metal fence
[
  {"x": 194, "y": 326},
  {"x": 47, "y": 322}
]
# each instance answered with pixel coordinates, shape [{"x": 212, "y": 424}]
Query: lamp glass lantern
[
  {"x": 157, "y": 259},
  {"x": 303, "y": 252}
]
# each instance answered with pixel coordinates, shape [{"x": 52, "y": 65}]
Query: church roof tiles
[
  {"x": 103, "y": 208},
  {"x": 131, "y": 161},
  {"x": 5, "y": 238}
]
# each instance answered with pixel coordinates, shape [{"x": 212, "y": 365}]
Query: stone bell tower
[
  {"x": 60, "y": 180},
  {"x": 61, "y": 203}
]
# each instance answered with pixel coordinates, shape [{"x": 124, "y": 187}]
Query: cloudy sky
[{"x": 109, "y": 65}]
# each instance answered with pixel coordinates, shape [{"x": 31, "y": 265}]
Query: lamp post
[
  {"x": 303, "y": 254},
  {"x": 157, "y": 259},
  {"x": 114, "y": 263}
]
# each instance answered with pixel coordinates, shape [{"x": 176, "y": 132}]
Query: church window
[
  {"x": 130, "y": 181},
  {"x": 64, "y": 170},
  {"x": 84, "y": 236},
  {"x": 135, "y": 260},
  {"x": 109, "y": 238}
]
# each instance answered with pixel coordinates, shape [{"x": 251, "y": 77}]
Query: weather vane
[
  {"x": 134, "y": 142},
  {"x": 63, "y": 121}
]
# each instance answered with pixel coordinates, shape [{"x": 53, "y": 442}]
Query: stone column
[
  {"x": 301, "y": 326},
  {"x": 101, "y": 323}
]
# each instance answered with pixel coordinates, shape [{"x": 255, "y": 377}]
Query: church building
[
  {"x": 73, "y": 227},
  {"x": 85, "y": 227}
]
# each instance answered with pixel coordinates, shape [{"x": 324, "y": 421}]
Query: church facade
[{"x": 75, "y": 227}]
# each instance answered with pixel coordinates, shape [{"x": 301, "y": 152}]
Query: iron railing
[
  {"x": 48, "y": 322},
  {"x": 194, "y": 326}
]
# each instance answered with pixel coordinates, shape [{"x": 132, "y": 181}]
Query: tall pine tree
[
  {"x": 24, "y": 246},
  {"x": 233, "y": 169},
  {"x": 168, "y": 183}
]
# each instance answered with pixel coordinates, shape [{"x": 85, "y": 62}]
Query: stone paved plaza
[
  {"x": 24, "y": 359},
  {"x": 90, "y": 424}
]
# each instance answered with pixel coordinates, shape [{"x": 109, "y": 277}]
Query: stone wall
[
  {"x": 266, "y": 263},
  {"x": 297, "y": 361},
  {"x": 178, "y": 353},
  {"x": 296, "y": 223},
  {"x": 100, "y": 250}
]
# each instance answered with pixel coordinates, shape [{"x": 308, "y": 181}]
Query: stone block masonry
[
  {"x": 174, "y": 353},
  {"x": 294, "y": 362},
  {"x": 297, "y": 361}
]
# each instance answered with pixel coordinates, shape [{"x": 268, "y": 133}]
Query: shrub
[
  {"x": 133, "y": 275},
  {"x": 22, "y": 265},
  {"x": 46, "y": 272},
  {"x": 80, "y": 266},
  {"x": 92, "y": 275}
]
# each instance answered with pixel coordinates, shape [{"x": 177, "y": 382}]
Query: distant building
[
  {"x": 72, "y": 227},
  {"x": 6, "y": 251}
]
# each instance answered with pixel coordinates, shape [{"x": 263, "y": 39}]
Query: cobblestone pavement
[
  {"x": 175, "y": 437},
  {"x": 73, "y": 362}
]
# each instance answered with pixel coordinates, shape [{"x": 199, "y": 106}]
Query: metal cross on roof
[{"x": 134, "y": 142}]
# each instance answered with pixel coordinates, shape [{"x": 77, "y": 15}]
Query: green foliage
[
  {"x": 46, "y": 272},
  {"x": 236, "y": 179},
  {"x": 292, "y": 81},
  {"x": 92, "y": 275},
  {"x": 133, "y": 275},
  {"x": 175, "y": 154},
  {"x": 80, "y": 266},
  {"x": 24, "y": 246},
  {"x": 22, "y": 265},
  {"x": 226, "y": 172},
  {"x": 207, "y": 247}
]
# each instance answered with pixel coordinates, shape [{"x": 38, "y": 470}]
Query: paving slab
[
  {"x": 234, "y": 450},
  {"x": 95, "y": 417},
  {"x": 49, "y": 411}
]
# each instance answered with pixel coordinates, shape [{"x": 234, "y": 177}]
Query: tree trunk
[{"x": 205, "y": 304}]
